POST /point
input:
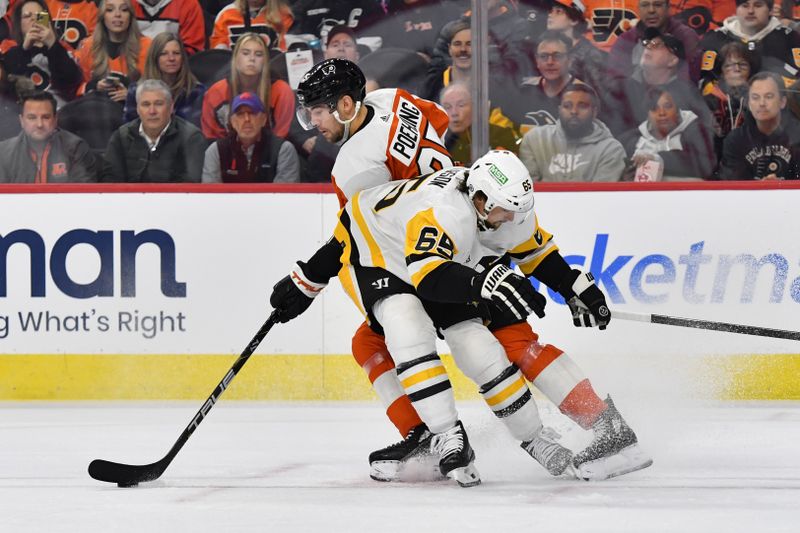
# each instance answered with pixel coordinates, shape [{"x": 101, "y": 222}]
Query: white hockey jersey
[
  {"x": 404, "y": 138},
  {"x": 412, "y": 227}
]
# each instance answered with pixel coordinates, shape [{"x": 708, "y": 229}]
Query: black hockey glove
[
  {"x": 510, "y": 291},
  {"x": 293, "y": 294},
  {"x": 585, "y": 300}
]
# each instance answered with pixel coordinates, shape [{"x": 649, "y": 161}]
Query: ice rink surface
[{"x": 718, "y": 467}]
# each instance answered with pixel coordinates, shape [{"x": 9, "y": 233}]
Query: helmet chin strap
[
  {"x": 483, "y": 219},
  {"x": 346, "y": 123}
]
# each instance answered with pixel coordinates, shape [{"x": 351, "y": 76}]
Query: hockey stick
[
  {"x": 707, "y": 324},
  {"x": 131, "y": 475}
]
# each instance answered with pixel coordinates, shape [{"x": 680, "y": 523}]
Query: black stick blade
[{"x": 125, "y": 475}]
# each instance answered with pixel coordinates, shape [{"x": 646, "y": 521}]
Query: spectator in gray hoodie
[{"x": 578, "y": 147}]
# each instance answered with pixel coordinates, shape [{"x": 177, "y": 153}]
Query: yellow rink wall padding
[{"x": 304, "y": 377}]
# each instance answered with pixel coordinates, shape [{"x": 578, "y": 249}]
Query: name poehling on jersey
[{"x": 405, "y": 142}]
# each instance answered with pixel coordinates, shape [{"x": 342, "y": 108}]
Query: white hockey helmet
[{"x": 505, "y": 181}]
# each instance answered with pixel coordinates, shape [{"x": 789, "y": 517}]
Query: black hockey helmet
[{"x": 329, "y": 80}]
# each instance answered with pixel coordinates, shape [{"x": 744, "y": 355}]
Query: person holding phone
[
  {"x": 38, "y": 54},
  {"x": 115, "y": 54}
]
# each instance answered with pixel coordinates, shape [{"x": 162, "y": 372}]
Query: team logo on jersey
[
  {"x": 267, "y": 33},
  {"x": 72, "y": 31},
  {"x": 405, "y": 143},
  {"x": 697, "y": 17},
  {"x": 610, "y": 23},
  {"x": 58, "y": 170},
  {"x": 497, "y": 174}
]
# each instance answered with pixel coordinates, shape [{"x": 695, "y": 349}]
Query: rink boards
[{"x": 127, "y": 295}]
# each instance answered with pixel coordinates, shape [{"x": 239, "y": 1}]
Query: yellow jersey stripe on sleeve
[
  {"x": 423, "y": 268},
  {"x": 374, "y": 249}
]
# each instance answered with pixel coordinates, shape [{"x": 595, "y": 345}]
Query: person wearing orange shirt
[
  {"x": 73, "y": 20},
  {"x": 183, "y": 17},
  {"x": 269, "y": 18},
  {"x": 249, "y": 72},
  {"x": 115, "y": 54}
]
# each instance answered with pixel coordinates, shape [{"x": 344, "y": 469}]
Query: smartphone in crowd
[{"x": 43, "y": 19}]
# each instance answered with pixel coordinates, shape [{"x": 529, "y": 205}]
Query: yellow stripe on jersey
[
  {"x": 340, "y": 234},
  {"x": 374, "y": 250},
  {"x": 349, "y": 286},
  {"x": 530, "y": 253},
  {"x": 425, "y": 375},
  {"x": 505, "y": 393},
  {"x": 427, "y": 245},
  {"x": 424, "y": 270}
]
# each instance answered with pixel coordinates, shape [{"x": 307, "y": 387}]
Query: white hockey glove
[
  {"x": 509, "y": 291},
  {"x": 585, "y": 300},
  {"x": 294, "y": 293}
]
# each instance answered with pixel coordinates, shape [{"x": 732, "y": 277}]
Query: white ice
[{"x": 719, "y": 467}]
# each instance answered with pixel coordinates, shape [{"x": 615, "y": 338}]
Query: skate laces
[
  {"x": 415, "y": 435},
  {"x": 448, "y": 442},
  {"x": 543, "y": 447}
]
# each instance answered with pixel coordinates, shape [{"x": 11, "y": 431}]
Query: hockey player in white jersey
[
  {"x": 389, "y": 134},
  {"x": 416, "y": 237},
  {"x": 428, "y": 238},
  {"x": 331, "y": 99}
]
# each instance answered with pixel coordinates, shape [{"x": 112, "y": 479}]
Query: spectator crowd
[{"x": 202, "y": 90}]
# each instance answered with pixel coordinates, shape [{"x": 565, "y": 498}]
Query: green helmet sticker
[{"x": 497, "y": 174}]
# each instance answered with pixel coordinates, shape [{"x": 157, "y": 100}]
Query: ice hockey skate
[
  {"x": 613, "y": 452},
  {"x": 457, "y": 457},
  {"x": 411, "y": 456},
  {"x": 555, "y": 458}
]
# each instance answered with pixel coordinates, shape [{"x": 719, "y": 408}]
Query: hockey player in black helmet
[{"x": 330, "y": 98}]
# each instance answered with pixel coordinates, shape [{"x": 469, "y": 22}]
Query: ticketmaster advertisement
[{"x": 151, "y": 296}]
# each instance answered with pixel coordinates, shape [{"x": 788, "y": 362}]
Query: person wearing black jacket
[
  {"x": 765, "y": 147},
  {"x": 157, "y": 146},
  {"x": 39, "y": 55},
  {"x": 250, "y": 153}
]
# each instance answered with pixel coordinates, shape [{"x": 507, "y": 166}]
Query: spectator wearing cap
[
  {"x": 765, "y": 147},
  {"x": 777, "y": 46},
  {"x": 658, "y": 68},
  {"x": 250, "y": 153},
  {"x": 342, "y": 43},
  {"x": 157, "y": 146},
  {"x": 627, "y": 51},
  {"x": 578, "y": 147},
  {"x": 42, "y": 153},
  {"x": 588, "y": 61}
]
